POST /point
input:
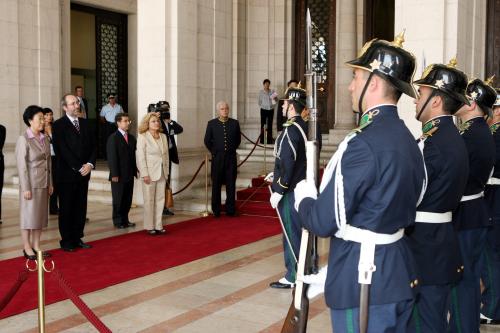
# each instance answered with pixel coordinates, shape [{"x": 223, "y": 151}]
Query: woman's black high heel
[{"x": 30, "y": 257}]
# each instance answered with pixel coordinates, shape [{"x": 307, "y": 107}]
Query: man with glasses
[
  {"x": 75, "y": 158},
  {"x": 122, "y": 169}
]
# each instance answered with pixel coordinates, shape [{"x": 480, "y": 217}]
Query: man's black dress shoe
[
  {"x": 130, "y": 225},
  {"x": 216, "y": 214},
  {"x": 120, "y": 226},
  {"x": 232, "y": 214},
  {"x": 490, "y": 322},
  {"x": 68, "y": 249},
  {"x": 161, "y": 232},
  {"x": 29, "y": 256},
  {"x": 167, "y": 212},
  {"x": 281, "y": 285},
  {"x": 84, "y": 245}
]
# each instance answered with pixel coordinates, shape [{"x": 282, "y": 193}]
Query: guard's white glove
[
  {"x": 275, "y": 199},
  {"x": 304, "y": 189},
  {"x": 269, "y": 178},
  {"x": 316, "y": 282}
]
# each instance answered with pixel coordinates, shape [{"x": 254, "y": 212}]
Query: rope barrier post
[
  {"x": 264, "y": 169},
  {"x": 206, "y": 212},
  {"x": 41, "y": 293}
]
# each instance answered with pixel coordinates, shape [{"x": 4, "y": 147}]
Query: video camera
[{"x": 162, "y": 107}]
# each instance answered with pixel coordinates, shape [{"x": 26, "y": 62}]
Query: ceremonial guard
[
  {"x": 222, "y": 138},
  {"x": 432, "y": 239},
  {"x": 368, "y": 195},
  {"x": 289, "y": 168},
  {"x": 490, "y": 275},
  {"x": 472, "y": 217}
]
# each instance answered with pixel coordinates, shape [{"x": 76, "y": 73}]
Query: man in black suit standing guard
[
  {"x": 122, "y": 169},
  {"x": 75, "y": 157},
  {"x": 222, "y": 138},
  {"x": 170, "y": 128}
]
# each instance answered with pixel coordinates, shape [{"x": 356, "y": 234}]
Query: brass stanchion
[
  {"x": 264, "y": 169},
  {"x": 206, "y": 212},
  {"x": 41, "y": 293}
]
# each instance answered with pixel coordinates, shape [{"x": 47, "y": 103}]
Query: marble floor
[{"x": 226, "y": 292}]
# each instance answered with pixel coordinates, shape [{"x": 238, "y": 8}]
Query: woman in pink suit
[
  {"x": 152, "y": 162},
  {"x": 35, "y": 180}
]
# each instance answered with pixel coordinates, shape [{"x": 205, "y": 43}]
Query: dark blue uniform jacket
[
  {"x": 435, "y": 245},
  {"x": 481, "y": 151},
  {"x": 290, "y": 164},
  {"x": 383, "y": 173}
]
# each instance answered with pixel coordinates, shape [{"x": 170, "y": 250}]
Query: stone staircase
[{"x": 193, "y": 199}]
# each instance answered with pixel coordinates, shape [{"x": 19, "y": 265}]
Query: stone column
[
  {"x": 264, "y": 51},
  {"x": 30, "y": 62},
  {"x": 347, "y": 45}
]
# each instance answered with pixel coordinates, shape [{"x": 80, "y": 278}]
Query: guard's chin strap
[
  {"x": 360, "y": 102},
  {"x": 426, "y": 102},
  {"x": 286, "y": 111}
]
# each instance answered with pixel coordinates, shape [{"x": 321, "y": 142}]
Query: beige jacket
[
  {"x": 152, "y": 156},
  {"x": 33, "y": 163}
]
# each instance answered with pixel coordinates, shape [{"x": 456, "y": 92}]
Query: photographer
[{"x": 170, "y": 128}]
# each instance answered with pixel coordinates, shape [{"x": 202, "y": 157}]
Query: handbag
[{"x": 169, "y": 197}]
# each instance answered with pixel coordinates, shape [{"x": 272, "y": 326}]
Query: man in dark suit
[
  {"x": 170, "y": 128},
  {"x": 222, "y": 138},
  {"x": 2, "y": 165},
  {"x": 75, "y": 157},
  {"x": 84, "y": 106},
  {"x": 122, "y": 169}
]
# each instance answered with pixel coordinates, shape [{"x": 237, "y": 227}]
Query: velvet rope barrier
[
  {"x": 21, "y": 278},
  {"x": 251, "y": 152},
  {"x": 256, "y": 143},
  {"x": 84, "y": 309},
  {"x": 192, "y": 179},
  {"x": 252, "y": 142}
]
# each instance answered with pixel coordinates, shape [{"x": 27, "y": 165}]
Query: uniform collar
[
  {"x": 222, "y": 120},
  {"x": 494, "y": 127},
  {"x": 379, "y": 106}
]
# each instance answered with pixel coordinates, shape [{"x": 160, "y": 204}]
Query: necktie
[
  {"x": 126, "y": 137},
  {"x": 77, "y": 125}
]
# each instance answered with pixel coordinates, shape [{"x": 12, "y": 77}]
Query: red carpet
[{"x": 125, "y": 257}]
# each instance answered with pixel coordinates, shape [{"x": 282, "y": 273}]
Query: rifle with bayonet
[{"x": 296, "y": 319}]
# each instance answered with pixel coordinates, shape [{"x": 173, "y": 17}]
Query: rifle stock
[{"x": 296, "y": 319}]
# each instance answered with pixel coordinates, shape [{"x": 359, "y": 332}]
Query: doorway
[
  {"x": 323, "y": 16},
  {"x": 99, "y": 61},
  {"x": 379, "y": 20}
]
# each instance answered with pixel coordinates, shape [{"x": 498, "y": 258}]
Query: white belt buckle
[{"x": 366, "y": 265}]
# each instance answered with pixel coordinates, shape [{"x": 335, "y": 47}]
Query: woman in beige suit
[
  {"x": 35, "y": 180},
  {"x": 152, "y": 162}
]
